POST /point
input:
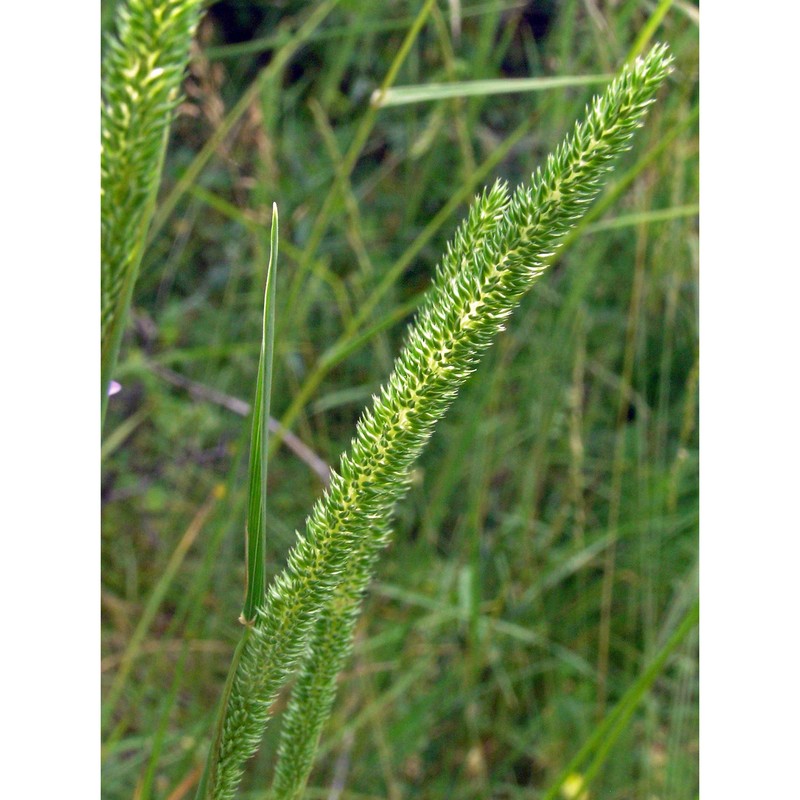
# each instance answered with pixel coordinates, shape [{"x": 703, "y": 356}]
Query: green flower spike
[
  {"x": 310, "y": 609},
  {"x": 142, "y": 74}
]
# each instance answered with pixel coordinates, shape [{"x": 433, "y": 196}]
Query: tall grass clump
[
  {"x": 143, "y": 69},
  {"x": 308, "y": 614}
]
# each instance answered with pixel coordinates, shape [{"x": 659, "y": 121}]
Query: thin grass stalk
[
  {"x": 498, "y": 253},
  {"x": 606, "y": 733},
  {"x": 649, "y": 29}
]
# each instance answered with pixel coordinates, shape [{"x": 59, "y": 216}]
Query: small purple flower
[{"x": 114, "y": 388}]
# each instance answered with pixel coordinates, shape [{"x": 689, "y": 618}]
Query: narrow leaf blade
[{"x": 259, "y": 439}]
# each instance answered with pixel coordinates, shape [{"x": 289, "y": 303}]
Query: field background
[{"x": 548, "y": 548}]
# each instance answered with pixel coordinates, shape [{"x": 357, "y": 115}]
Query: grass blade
[
  {"x": 256, "y": 531},
  {"x": 648, "y": 31},
  {"x": 426, "y": 93},
  {"x": 606, "y": 733}
]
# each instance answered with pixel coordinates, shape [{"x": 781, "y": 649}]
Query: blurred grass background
[{"x": 548, "y": 547}]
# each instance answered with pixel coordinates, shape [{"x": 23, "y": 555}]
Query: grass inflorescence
[{"x": 497, "y": 254}]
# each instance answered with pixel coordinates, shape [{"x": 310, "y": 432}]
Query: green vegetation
[{"x": 531, "y": 628}]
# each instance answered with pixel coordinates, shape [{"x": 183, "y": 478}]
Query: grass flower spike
[
  {"x": 309, "y": 611},
  {"x": 142, "y": 74}
]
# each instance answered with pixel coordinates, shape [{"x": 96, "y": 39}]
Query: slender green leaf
[
  {"x": 605, "y": 734},
  {"x": 427, "y": 93},
  {"x": 643, "y": 218},
  {"x": 649, "y": 29},
  {"x": 256, "y": 531}
]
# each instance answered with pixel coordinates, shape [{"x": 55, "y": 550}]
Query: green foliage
[
  {"x": 544, "y": 561},
  {"x": 497, "y": 254},
  {"x": 143, "y": 68}
]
